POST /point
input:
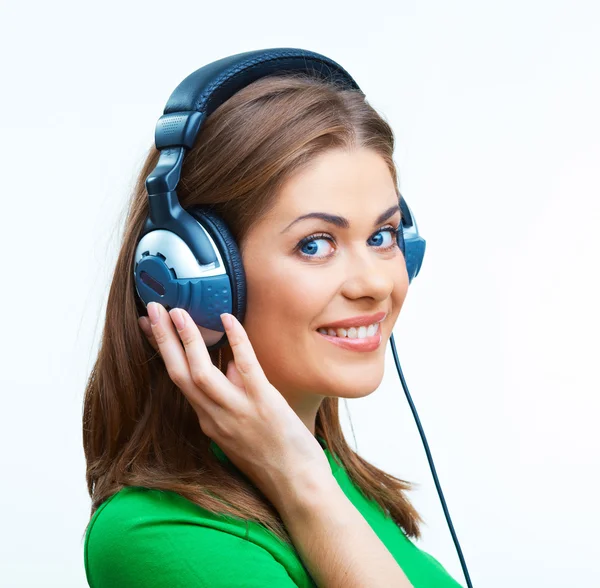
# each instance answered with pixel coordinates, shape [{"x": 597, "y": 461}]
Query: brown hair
[{"x": 138, "y": 428}]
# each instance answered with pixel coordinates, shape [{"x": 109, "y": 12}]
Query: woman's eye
[
  {"x": 308, "y": 246},
  {"x": 391, "y": 232}
]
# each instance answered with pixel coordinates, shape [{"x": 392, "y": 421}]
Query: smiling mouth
[
  {"x": 356, "y": 344},
  {"x": 352, "y": 332}
]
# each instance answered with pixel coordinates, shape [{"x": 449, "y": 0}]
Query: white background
[{"x": 495, "y": 110}]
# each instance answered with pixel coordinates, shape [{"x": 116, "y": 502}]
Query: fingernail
[
  {"x": 227, "y": 320},
  {"x": 153, "y": 312},
  {"x": 178, "y": 318}
]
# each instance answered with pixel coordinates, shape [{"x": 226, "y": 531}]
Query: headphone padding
[{"x": 219, "y": 231}]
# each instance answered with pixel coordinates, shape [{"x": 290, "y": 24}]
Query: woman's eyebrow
[{"x": 340, "y": 221}]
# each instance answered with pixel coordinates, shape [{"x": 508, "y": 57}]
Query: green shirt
[{"x": 144, "y": 538}]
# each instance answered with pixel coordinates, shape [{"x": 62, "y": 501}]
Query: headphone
[{"x": 188, "y": 258}]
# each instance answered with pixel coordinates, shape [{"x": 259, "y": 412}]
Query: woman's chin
[{"x": 354, "y": 381}]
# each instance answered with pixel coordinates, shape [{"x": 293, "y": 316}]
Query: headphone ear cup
[{"x": 230, "y": 253}]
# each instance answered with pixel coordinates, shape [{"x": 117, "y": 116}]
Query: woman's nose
[{"x": 368, "y": 276}]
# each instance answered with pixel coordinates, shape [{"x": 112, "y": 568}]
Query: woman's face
[{"x": 293, "y": 290}]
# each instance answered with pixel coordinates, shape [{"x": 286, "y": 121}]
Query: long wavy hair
[{"x": 138, "y": 428}]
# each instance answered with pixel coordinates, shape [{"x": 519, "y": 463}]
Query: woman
[{"x": 231, "y": 469}]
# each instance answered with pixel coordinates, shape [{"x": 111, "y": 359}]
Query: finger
[
  {"x": 233, "y": 375},
  {"x": 170, "y": 347},
  {"x": 245, "y": 359},
  {"x": 162, "y": 336},
  {"x": 144, "y": 323},
  {"x": 203, "y": 371},
  {"x": 198, "y": 357}
]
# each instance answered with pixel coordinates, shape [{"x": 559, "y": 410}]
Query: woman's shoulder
[
  {"x": 147, "y": 537},
  {"x": 131, "y": 508},
  {"x": 137, "y": 501},
  {"x": 134, "y": 511}
]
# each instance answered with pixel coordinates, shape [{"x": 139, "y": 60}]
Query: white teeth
[{"x": 352, "y": 332}]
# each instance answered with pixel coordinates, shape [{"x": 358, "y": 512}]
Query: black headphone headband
[
  {"x": 204, "y": 90},
  {"x": 193, "y": 100}
]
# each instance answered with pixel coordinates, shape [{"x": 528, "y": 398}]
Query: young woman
[{"x": 230, "y": 468}]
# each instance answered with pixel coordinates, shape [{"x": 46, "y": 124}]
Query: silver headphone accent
[{"x": 178, "y": 255}]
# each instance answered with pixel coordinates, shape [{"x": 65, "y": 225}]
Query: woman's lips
[{"x": 366, "y": 344}]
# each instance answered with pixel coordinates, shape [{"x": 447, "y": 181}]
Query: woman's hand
[{"x": 241, "y": 411}]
